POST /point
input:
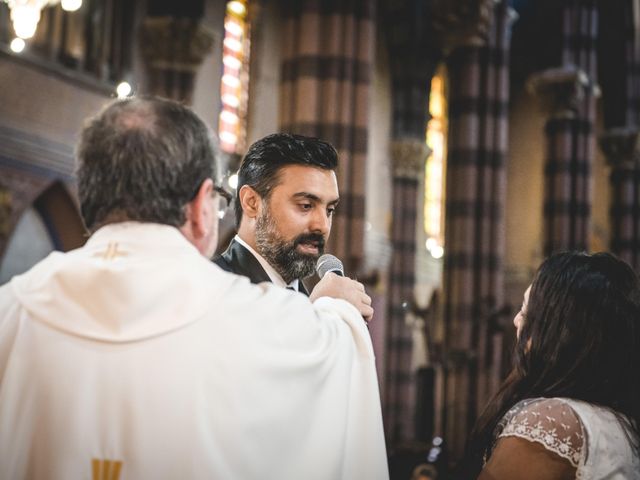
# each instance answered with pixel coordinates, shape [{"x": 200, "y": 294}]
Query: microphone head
[{"x": 328, "y": 263}]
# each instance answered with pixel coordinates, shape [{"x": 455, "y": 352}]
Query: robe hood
[{"x": 94, "y": 292}]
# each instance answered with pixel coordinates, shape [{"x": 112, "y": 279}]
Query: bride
[{"x": 570, "y": 408}]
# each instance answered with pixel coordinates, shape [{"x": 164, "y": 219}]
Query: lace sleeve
[{"x": 549, "y": 422}]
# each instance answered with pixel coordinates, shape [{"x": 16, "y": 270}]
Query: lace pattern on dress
[{"x": 549, "y": 422}]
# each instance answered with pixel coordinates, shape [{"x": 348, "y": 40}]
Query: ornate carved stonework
[
  {"x": 462, "y": 22},
  {"x": 178, "y": 44},
  {"x": 621, "y": 145},
  {"x": 174, "y": 48},
  {"x": 408, "y": 157},
  {"x": 561, "y": 90}
]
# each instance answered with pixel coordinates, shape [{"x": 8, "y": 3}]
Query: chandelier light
[
  {"x": 17, "y": 45},
  {"x": 25, "y": 14}
]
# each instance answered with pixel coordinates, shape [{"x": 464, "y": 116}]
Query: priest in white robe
[{"x": 135, "y": 357}]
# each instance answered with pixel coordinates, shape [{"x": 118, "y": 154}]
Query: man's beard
[{"x": 282, "y": 255}]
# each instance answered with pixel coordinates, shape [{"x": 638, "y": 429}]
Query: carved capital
[
  {"x": 561, "y": 90},
  {"x": 178, "y": 44},
  {"x": 461, "y": 23},
  {"x": 408, "y": 157},
  {"x": 621, "y": 145}
]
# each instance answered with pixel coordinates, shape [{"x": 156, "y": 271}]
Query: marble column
[
  {"x": 477, "y": 38},
  {"x": 408, "y": 159},
  {"x": 563, "y": 93},
  {"x": 621, "y": 147}
]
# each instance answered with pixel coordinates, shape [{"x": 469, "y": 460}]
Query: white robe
[{"x": 137, "y": 355}]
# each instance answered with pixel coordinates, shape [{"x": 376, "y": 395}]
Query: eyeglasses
[{"x": 226, "y": 196}]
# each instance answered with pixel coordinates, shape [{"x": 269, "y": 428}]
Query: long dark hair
[{"x": 580, "y": 340}]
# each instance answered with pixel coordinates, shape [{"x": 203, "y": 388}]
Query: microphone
[{"x": 329, "y": 263}]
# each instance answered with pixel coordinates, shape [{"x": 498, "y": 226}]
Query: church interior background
[{"x": 475, "y": 137}]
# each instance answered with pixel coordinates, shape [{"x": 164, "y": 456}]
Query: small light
[
  {"x": 17, "y": 45},
  {"x": 233, "y": 28},
  {"x": 437, "y": 251},
  {"x": 71, "y": 5},
  {"x": 232, "y": 62},
  {"x": 230, "y": 100},
  {"x": 221, "y": 214},
  {"x": 437, "y": 441},
  {"x": 232, "y": 44},
  {"x": 431, "y": 243},
  {"x": 237, "y": 7},
  {"x": 229, "y": 117},
  {"x": 228, "y": 137},
  {"x": 233, "y": 181},
  {"x": 123, "y": 89},
  {"x": 231, "y": 81}
]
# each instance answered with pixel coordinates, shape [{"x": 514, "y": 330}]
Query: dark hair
[
  {"x": 580, "y": 340},
  {"x": 267, "y": 156},
  {"x": 142, "y": 159}
]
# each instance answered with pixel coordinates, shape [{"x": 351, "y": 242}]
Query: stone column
[
  {"x": 413, "y": 58},
  {"x": 408, "y": 159},
  {"x": 563, "y": 94},
  {"x": 476, "y": 35},
  {"x": 621, "y": 147}
]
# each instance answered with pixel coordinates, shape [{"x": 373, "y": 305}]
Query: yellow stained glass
[{"x": 436, "y": 137}]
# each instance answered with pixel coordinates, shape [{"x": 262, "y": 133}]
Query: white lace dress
[{"x": 594, "y": 440}]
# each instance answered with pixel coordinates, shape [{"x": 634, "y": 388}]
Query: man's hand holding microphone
[{"x": 334, "y": 284}]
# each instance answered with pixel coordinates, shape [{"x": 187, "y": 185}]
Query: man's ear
[
  {"x": 199, "y": 212},
  {"x": 250, "y": 201}
]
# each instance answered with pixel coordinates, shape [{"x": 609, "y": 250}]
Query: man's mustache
[{"x": 313, "y": 238}]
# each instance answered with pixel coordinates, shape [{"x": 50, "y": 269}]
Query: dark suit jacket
[{"x": 237, "y": 259}]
